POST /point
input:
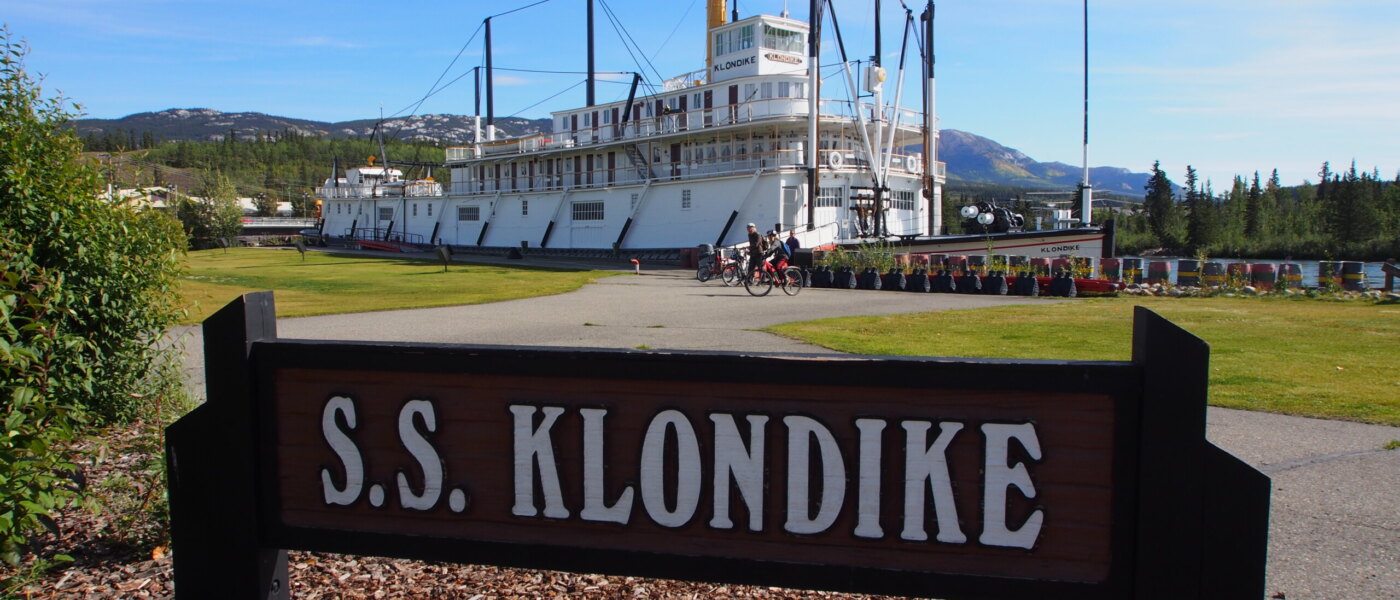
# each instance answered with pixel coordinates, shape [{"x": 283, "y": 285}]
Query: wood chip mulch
[{"x": 117, "y": 558}]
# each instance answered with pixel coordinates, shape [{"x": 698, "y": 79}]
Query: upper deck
[{"x": 750, "y": 101}]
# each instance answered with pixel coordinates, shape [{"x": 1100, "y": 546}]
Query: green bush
[
  {"x": 120, "y": 266},
  {"x": 36, "y": 423},
  {"x": 88, "y": 287}
]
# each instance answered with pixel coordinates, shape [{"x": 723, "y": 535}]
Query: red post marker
[{"x": 636, "y": 266}]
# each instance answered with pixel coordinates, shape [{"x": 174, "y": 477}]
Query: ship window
[
  {"x": 633, "y": 205},
  {"x": 468, "y": 213},
  {"x": 588, "y": 211},
  {"x": 902, "y": 200},
  {"x": 386, "y": 213},
  {"x": 430, "y": 209},
  {"x": 415, "y": 209},
  {"x": 784, "y": 89},
  {"x": 587, "y": 119},
  {"x": 607, "y": 117},
  {"x": 719, "y": 43},
  {"x": 798, "y": 91},
  {"x": 829, "y": 197},
  {"x": 685, "y": 199},
  {"x": 782, "y": 39},
  {"x": 743, "y": 37},
  {"x": 749, "y": 91},
  {"x": 767, "y": 89},
  {"x": 524, "y": 208}
]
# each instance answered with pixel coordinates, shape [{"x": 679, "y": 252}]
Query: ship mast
[
  {"x": 935, "y": 198},
  {"x": 814, "y": 83},
  {"x": 1086, "y": 200}
]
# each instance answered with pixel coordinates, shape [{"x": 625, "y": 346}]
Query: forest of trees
[
  {"x": 276, "y": 167},
  {"x": 1347, "y": 215}
]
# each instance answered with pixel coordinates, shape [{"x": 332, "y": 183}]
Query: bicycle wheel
[
  {"x": 792, "y": 281},
  {"x": 759, "y": 283},
  {"x": 704, "y": 271},
  {"x": 730, "y": 275}
]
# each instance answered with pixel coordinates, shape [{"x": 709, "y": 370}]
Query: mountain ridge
[{"x": 971, "y": 158}]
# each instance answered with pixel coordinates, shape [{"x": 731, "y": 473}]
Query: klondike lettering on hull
[{"x": 952, "y": 478}]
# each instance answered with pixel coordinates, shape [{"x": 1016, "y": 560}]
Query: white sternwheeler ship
[{"x": 756, "y": 137}]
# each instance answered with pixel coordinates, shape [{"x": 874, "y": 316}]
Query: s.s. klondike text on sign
[{"x": 939, "y": 477}]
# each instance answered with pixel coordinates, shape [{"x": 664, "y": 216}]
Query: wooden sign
[{"x": 934, "y": 477}]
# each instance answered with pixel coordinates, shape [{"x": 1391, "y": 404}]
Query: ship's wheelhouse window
[
  {"x": 468, "y": 213},
  {"x": 743, "y": 37},
  {"x": 720, "y": 39},
  {"x": 685, "y": 199},
  {"x": 782, "y": 39},
  {"x": 588, "y": 211},
  {"x": 386, "y": 213},
  {"x": 829, "y": 197}
]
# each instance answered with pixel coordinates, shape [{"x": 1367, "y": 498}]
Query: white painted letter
[
  {"x": 534, "y": 446},
  {"x": 998, "y": 477},
  {"x": 746, "y": 465},
  {"x": 423, "y": 452},
  {"x": 924, "y": 463},
  {"x": 595, "y": 507},
  {"x": 653, "y": 475},
  {"x": 345, "y": 449},
  {"x": 800, "y": 432},
  {"x": 868, "y": 507}
]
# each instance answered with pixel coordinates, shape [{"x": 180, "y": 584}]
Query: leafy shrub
[
  {"x": 36, "y": 423},
  {"x": 88, "y": 287},
  {"x": 120, "y": 266}
]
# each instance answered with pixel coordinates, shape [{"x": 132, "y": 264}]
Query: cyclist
[{"x": 776, "y": 253}]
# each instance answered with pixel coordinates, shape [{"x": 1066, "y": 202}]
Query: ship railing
[
  {"x": 412, "y": 189},
  {"x": 720, "y": 166},
  {"x": 751, "y": 111}
]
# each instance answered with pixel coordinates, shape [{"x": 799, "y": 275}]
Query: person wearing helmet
[{"x": 775, "y": 251}]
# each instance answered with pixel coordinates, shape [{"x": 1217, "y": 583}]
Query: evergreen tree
[
  {"x": 1200, "y": 217},
  {"x": 1162, "y": 213},
  {"x": 1254, "y": 211}
]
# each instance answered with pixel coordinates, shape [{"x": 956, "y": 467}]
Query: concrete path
[{"x": 1335, "y": 525}]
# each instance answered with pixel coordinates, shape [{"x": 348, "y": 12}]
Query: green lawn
[
  {"x": 1338, "y": 360},
  {"x": 327, "y": 283}
]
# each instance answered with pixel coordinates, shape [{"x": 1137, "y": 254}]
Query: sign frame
[{"x": 1190, "y": 520}]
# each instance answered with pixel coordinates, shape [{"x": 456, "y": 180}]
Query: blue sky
[{"x": 1229, "y": 87}]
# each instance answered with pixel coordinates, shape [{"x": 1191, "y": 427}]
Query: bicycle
[
  {"x": 718, "y": 265},
  {"x": 761, "y": 280}
]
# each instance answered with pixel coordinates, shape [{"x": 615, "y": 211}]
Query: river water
[{"x": 1375, "y": 278}]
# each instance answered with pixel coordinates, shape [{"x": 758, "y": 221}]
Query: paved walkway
[{"x": 1335, "y": 530}]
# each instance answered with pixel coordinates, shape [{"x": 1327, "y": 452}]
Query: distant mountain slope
[
  {"x": 971, "y": 158},
  {"x": 211, "y": 125}
]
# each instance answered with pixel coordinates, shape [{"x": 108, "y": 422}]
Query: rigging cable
[
  {"x": 626, "y": 36},
  {"x": 517, "y": 113}
]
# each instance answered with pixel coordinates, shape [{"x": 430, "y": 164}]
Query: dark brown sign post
[{"x": 954, "y": 478}]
